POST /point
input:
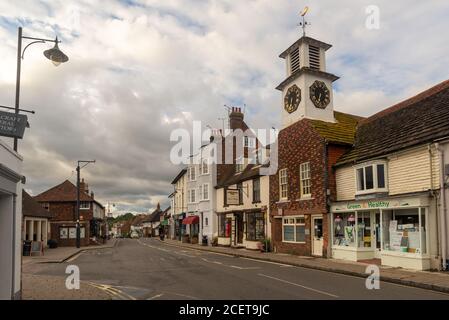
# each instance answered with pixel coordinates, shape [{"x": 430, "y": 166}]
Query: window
[
  {"x": 371, "y": 178},
  {"x": 256, "y": 190},
  {"x": 314, "y": 57},
  {"x": 206, "y": 222},
  {"x": 192, "y": 173},
  {"x": 240, "y": 188},
  {"x": 192, "y": 196},
  {"x": 84, "y": 205},
  {"x": 404, "y": 230},
  {"x": 283, "y": 187},
  {"x": 249, "y": 142},
  {"x": 205, "y": 193},
  {"x": 294, "y": 229},
  {"x": 294, "y": 60},
  {"x": 255, "y": 226},
  {"x": 305, "y": 181},
  {"x": 205, "y": 166},
  {"x": 224, "y": 226},
  {"x": 200, "y": 193},
  {"x": 239, "y": 165},
  {"x": 344, "y": 229},
  {"x": 46, "y": 206}
]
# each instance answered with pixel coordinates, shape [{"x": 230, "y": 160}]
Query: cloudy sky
[{"x": 140, "y": 68}]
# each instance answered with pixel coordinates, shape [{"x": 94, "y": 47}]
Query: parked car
[{"x": 134, "y": 235}]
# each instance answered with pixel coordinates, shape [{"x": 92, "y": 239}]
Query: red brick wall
[
  {"x": 300, "y": 143},
  {"x": 54, "y": 227},
  {"x": 66, "y": 211}
]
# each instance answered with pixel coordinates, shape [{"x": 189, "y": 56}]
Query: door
[
  {"x": 239, "y": 221},
  {"x": 377, "y": 234},
  {"x": 317, "y": 236}
]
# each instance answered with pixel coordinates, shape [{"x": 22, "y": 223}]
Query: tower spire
[{"x": 303, "y": 24}]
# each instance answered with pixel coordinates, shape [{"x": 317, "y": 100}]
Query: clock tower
[{"x": 307, "y": 90}]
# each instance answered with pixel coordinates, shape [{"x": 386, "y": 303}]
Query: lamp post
[
  {"x": 78, "y": 170},
  {"x": 54, "y": 55}
]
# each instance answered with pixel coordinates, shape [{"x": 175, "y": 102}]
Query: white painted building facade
[{"x": 10, "y": 222}]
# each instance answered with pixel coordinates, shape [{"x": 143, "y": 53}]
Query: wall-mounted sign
[
  {"x": 12, "y": 125},
  {"x": 232, "y": 197},
  {"x": 378, "y": 204}
]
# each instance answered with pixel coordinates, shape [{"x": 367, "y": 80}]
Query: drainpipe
[
  {"x": 442, "y": 208},
  {"x": 14, "y": 244},
  {"x": 327, "y": 197}
]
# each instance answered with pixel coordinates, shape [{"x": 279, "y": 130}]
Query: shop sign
[
  {"x": 377, "y": 204},
  {"x": 232, "y": 197},
  {"x": 12, "y": 125}
]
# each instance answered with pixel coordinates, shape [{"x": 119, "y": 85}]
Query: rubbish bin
[
  {"x": 26, "y": 247},
  {"x": 204, "y": 241}
]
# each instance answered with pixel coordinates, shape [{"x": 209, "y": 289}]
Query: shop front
[
  {"x": 393, "y": 230},
  {"x": 192, "y": 224},
  {"x": 179, "y": 228},
  {"x": 245, "y": 228}
]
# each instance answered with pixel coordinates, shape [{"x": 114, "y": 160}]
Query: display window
[
  {"x": 404, "y": 230},
  {"x": 344, "y": 229},
  {"x": 364, "y": 229}
]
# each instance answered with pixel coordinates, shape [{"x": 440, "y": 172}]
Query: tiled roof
[
  {"x": 31, "y": 208},
  {"x": 230, "y": 178},
  {"x": 418, "y": 120},
  {"x": 179, "y": 176},
  {"x": 343, "y": 131},
  {"x": 64, "y": 192}
]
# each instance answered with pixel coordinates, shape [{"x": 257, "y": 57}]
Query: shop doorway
[
  {"x": 377, "y": 234},
  {"x": 317, "y": 236},
  {"x": 239, "y": 228}
]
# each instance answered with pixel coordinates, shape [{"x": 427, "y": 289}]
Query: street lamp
[
  {"x": 54, "y": 55},
  {"x": 78, "y": 169}
]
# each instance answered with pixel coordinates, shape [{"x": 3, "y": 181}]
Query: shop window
[
  {"x": 364, "y": 229},
  {"x": 224, "y": 226},
  {"x": 371, "y": 178},
  {"x": 344, "y": 229},
  {"x": 404, "y": 230},
  {"x": 305, "y": 180},
  {"x": 294, "y": 229},
  {"x": 255, "y": 226},
  {"x": 256, "y": 190},
  {"x": 283, "y": 184}
]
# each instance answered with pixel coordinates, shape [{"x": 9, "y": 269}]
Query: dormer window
[
  {"x": 294, "y": 60},
  {"x": 314, "y": 57},
  {"x": 371, "y": 178}
]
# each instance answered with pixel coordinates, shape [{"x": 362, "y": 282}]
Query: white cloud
[{"x": 136, "y": 72}]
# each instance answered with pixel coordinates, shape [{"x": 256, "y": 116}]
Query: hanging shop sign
[
  {"x": 232, "y": 197},
  {"x": 12, "y": 125}
]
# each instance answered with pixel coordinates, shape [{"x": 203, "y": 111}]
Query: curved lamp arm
[{"x": 23, "y": 52}]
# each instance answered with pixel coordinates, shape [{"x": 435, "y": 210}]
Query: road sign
[{"x": 12, "y": 125}]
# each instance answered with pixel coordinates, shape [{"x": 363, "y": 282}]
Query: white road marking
[
  {"x": 270, "y": 262},
  {"x": 244, "y": 268},
  {"x": 299, "y": 285},
  {"x": 156, "y": 296}
]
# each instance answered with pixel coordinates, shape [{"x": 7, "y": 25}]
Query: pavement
[
  {"x": 62, "y": 254},
  {"x": 52, "y": 287},
  {"x": 148, "y": 269},
  {"x": 438, "y": 281}
]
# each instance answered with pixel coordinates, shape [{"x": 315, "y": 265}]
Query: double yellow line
[{"x": 114, "y": 292}]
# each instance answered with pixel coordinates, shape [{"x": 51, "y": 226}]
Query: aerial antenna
[{"x": 303, "y": 24}]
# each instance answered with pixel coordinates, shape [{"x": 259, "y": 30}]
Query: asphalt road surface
[{"x": 152, "y": 270}]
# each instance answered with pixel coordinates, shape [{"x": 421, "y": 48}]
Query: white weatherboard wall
[
  {"x": 10, "y": 222},
  {"x": 408, "y": 171}
]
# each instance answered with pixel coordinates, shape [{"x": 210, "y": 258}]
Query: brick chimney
[
  {"x": 158, "y": 206},
  {"x": 84, "y": 187},
  {"x": 92, "y": 195},
  {"x": 236, "y": 118}
]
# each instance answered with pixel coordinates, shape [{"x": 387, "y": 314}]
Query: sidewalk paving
[
  {"x": 437, "y": 281},
  {"x": 62, "y": 254}
]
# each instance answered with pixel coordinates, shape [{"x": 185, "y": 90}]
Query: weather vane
[{"x": 303, "y": 24}]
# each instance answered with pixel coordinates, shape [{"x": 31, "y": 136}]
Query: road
[{"x": 152, "y": 270}]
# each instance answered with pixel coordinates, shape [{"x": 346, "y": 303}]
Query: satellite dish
[{"x": 304, "y": 11}]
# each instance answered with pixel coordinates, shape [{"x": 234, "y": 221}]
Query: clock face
[
  {"x": 319, "y": 94},
  {"x": 292, "y": 99}
]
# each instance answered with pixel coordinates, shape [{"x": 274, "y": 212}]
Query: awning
[{"x": 191, "y": 220}]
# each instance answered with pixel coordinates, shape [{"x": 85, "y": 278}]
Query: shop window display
[
  {"x": 364, "y": 229},
  {"x": 404, "y": 231},
  {"x": 344, "y": 229}
]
